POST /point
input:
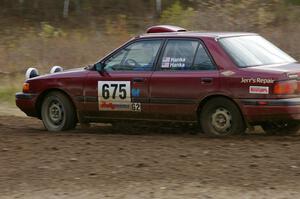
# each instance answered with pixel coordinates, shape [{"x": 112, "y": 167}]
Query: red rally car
[{"x": 225, "y": 81}]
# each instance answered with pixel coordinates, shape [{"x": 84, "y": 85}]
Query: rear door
[
  {"x": 122, "y": 89},
  {"x": 184, "y": 75}
]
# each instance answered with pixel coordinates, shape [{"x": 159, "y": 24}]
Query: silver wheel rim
[
  {"x": 56, "y": 112},
  {"x": 221, "y": 120}
]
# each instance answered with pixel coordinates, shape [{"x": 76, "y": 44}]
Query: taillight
[
  {"x": 286, "y": 87},
  {"x": 298, "y": 88},
  {"x": 26, "y": 88}
]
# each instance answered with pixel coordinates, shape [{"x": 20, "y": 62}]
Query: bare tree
[
  {"x": 158, "y": 6},
  {"x": 66, "y": 8},
  {"x": 78, "y": 6}
]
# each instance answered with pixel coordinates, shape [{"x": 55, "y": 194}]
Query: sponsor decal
[
  {"x": 173, "y": 62},
  {"x": 116, "y": 96},
  {"x": 292, "y": 76},
  {"x": 257, "y": 80},
  {"x": 114, "y": 106},
  {"x": 177, "y": 62},
  {"x": 136, "y": 107},
  {"x": 166, "y": 62},
  {"x": 259, "y": 89},
  {"x": 106, "y": 105},
  {"x": 135, "y": 92}
]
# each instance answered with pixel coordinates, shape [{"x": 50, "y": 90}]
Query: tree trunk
[
  {"x": 66, "y": 8},
  {"x": 78, "y": 6},
  {"x": 158, "y": 6}
]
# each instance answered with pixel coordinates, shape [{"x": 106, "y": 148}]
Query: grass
[
  {"x": 7, "y": 94},
  {"x": 9, "y": 86},
  {"x": 47, "y": 46},
  {"x": 75, "y": 49}
]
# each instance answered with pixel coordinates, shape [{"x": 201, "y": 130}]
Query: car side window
[
  {"x": 185, "y": 55},
  {"x": 202, "y": 60},
  {"x": 179, "y": 54},
  {"x": 139, "y": 56}
]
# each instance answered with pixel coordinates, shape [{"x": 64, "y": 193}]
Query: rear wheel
[
  {"x": 220, "y": 117},
  {"x": 281, "y": 128},
  {"x": 58, "y": 113}
]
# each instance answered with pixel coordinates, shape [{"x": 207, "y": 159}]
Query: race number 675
[
  {"x": 114, "y": 90},
  {"x": 106, "y": 91}
]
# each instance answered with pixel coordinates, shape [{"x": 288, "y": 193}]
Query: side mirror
[{"x": 99, "y": 66}]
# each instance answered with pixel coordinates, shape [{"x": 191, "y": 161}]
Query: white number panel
[
  {"x": 116, "y": 96},
  {"x": 118, "y": 91}
]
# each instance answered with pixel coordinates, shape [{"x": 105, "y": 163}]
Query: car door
[
  {"x": 184, "y": 75},
  {"x": 121, "y": 89}
]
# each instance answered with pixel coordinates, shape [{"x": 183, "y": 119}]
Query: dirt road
[{"x": 143, "y": 161}]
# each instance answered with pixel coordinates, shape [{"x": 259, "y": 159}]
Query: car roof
[{"x": 215, "y": 35}]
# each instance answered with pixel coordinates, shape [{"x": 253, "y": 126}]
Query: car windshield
[{"x": 254, "y": 50}]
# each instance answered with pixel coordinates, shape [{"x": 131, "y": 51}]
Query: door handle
[
  {"x": 138, "y": 80},
  {"x": 206, "y": 80}
]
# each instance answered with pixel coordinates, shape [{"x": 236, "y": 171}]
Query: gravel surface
[{"x": 143, "y": 161}]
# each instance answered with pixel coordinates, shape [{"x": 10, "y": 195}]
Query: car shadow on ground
[
  {"x": 191, "y": 130},
  {"x": 172, "y": 129}
]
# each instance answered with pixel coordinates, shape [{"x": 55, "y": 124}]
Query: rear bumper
[
  {"x": 259, "y": 110},
  {"x": 27, "y": 103}
]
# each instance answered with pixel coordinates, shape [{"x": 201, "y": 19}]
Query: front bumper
[
  {"x": 27, "y": 103},
  {"x": 259, "y": 110}
]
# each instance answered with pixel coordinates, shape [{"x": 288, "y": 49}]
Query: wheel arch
[
  {"x": 208, "y": 98},
  {"x": 42, "y": 96}
]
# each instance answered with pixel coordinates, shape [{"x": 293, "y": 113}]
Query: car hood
[{"x": 67, "y": 73}]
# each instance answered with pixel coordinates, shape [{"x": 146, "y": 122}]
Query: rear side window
[
  {"x": 185, "y": 55},
  {"x": 202, "y": 60}
]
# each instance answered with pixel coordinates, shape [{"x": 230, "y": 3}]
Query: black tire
[
  {"x": 220, "y": 117},
  {"x": 281, "y": 128},
  {"x": 58, "y": 112}
]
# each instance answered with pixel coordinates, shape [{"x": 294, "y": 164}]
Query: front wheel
[
  {"x": 220, "y": 117},
  {"x": 58, "y": 113}
]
